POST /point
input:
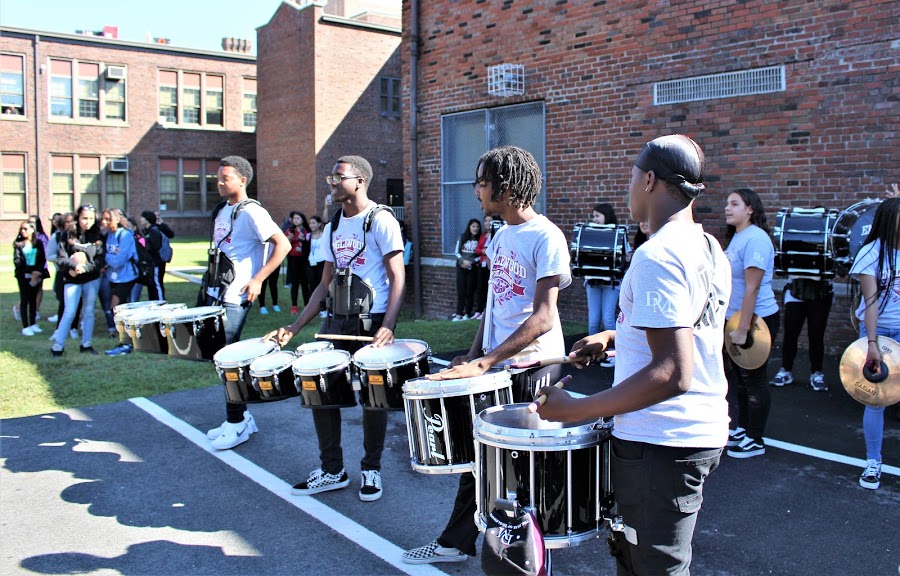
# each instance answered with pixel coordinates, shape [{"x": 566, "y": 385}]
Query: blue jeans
[
  {"x": 235, "y": 317},
  {"x": 873, "y": 416},
  {"x": 602, "y": 301},
  {"x": 87, "y": 294}
]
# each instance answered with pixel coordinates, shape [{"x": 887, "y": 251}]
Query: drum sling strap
[
  {"x": 219, "y": 268},
  {"x": 348, "y": 294}
]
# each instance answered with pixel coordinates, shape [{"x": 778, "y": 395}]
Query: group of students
[
  {"x": 472, "y": 268},
  {"x": 93, "y": 260}
]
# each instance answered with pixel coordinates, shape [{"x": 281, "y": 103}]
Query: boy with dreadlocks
[{"x": 529, "y": 266}]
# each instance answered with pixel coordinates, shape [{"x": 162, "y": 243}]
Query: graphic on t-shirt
[
  {"x": 220, "y": 232},
  {"x": 507, "y": 278},
  {"x": 345, "y": 248},
  {"x": 657, "y": 302}
]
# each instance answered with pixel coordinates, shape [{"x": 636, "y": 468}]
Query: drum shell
[
  {"x": 803, "y": 246},
  {"x": 145, "y": 332},
  {"x": 321, "y": 388},
  {"x": 598, "y": 252},
  {"x": 235, "y": 372},
  {"x": 196, "y": 338},
  {"x": 439, "y": 420},
  {"x": 382, "y": 380},
  {"x": 563, "y": 474},
  {"x": 274, "y": 384},
  {"x": 122, "y": 311},
  {"x": 850, "y": 230}
]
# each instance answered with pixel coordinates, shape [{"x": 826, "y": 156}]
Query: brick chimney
[{"x": 236, "y": 45}]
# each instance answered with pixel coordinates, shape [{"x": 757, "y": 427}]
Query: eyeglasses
[{"x": 335, "y": 179}]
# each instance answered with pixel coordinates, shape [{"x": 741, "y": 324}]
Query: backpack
[
  {"x": 219, "y": 268},
  {"x": 165, "y": 248},
  {"x": 143, "y": 265}
]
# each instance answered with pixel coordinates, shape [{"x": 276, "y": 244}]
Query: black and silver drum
[
  {"x": 598, "y": 252},
  {"x": 559, "y": 469},
  {"x": 324, "y": 379},
  {"x": 145, "y": 330},
  {"x": 803, "y": 242},
  {"x": 440, "y": 416},
  {"x": 195, "y": 333},
  {"x": 310, "y": 347},
  {"x": 384, "y": 370},
  {"x": 272, "y": 377},
  {"x": 121, "y": 311},
  {"x": 233, "y": 366},
  {"x": 850, "y": 231}
]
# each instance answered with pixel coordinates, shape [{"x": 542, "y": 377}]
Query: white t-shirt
[
  {"x": 866, "y": 262},
  {"x": 245, "y": 246},
  {"x": 667, "y": 285},
  {"x": 521, "y": 255},
  {"x": 752, "y": 248},
  {"x": 384, "y": 238}
]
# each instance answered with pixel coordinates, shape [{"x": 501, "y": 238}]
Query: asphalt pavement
[{"x": 133, "y": 488}]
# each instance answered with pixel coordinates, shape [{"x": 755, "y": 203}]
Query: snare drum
[
  {"x": 598, "y": 252},
  {"x": 560, "y": 469},
  {"x": 311, "y": 347},
  {"x": 272, "y": 377},
  {"x": 232, "y": 364},
  {"x": 324, "y": 379},
  {"x": 440, "y": 416},
  {"x": 144, "y": 328},
  {"x": 121, "y": 311},
  {"x": 850, "y": 231},
  {"x": 195, "y": 333},
  {"x": 382, "y": 372},
  {"x": 803, "y": 242}
]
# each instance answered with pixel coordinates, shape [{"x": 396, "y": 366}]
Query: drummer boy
[{"x": 529, "y": 266}]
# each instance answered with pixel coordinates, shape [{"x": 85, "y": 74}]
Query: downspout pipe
[
  {"x": 414, "y": 152},
  {"x": 37, "y": 126}
]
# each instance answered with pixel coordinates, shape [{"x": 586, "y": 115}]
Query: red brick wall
[
  {"x": 139, "y": 139},
  {"x": 827, "y": 140}
]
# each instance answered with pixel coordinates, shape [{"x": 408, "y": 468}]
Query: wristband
[{"x": 873, "y": 341}]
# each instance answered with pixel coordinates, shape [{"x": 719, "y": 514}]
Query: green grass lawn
[{"x": 33, "y": 382}]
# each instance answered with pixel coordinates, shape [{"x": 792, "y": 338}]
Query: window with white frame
[
  {"x": 249, "y": 103},
  {"x": 83, "y": 179},
  {"x": 12, "y": 184},
  {"x": 86, "y": 91},
  {"x": 188, "y": 185},
  {"x": 465, "y": 136},
  {"x": 389, "y": 96},
  {"x": 191, "y": 98},
  {"x": 12, "y": 85}
]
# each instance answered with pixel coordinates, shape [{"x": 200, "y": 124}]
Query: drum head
[
  {"x": 311, "y": 347},
  {"x": 422, "y": 388},
  {"x": 141, "y": 317},
  {"x": 196, "y": 313},
  {"x": 141, "y": 304},
  {"x": 850, "y": 231},
  {"x": 241, "y": 353},
  {"x": 271, "y": 363},
  {"x": 390, "y": 355},
  {"x": 513, "y": 426},
  {"x": 321, "y": 362}
]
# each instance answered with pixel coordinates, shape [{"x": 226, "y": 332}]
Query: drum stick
[
  {"x": 554, "y": 361},
  {"x": 539, "y": 401},
  {"x": 344, "y": 337}
]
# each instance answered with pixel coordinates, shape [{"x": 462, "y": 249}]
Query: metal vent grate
[
  {"x": 506, "y": 80},
  {"x": 726, "y": 85}
]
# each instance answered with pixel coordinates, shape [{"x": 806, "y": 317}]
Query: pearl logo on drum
[{"x": 435, "y": 426}]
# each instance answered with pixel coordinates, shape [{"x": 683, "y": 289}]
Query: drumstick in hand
[
  {"x": 539, "y": 401},
  {"x": 344, "y": 337},
  {"x": 542, "y": 363}
]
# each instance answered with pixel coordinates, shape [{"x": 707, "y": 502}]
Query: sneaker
[
  {"x": 323, "y": 314},
  {"x": 234, "y": 434},
  {"x": 456, "y": 318},
  {"x": 263, "y": 311},
  {"x": 27, "y": 331},
  {"x": 73, "y": 334},
  {"x": 783, "y": 378},
  {"x": 817, "y": 381},
  {"x": 276, "y": 308},
  {"x": 35, "y": 329},
  {"x": 56, "y": 353},
  {"x": 53, "y": 319},
  {"x": 121, "y": 350},
  {"x": 871, "y": 476},
  {"x": 293, "y": 309},
  {"x": 370, "y": 489},
  {"x": 16, "y": 313},
  {"x": 736, "y": 436},
  {"x": 748, "y": 448},
  {"x": 319, "y": 481},
  {"x": 87, "y": 350},
  {"x": 431, "y": 553},
  {"x": 217, "y": 431},
  {"x": 477, "y": 316}
]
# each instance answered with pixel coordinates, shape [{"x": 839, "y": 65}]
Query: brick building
[
  {"x": 329, "y": 85},
  {"x": 118, "y": 124},
  {"x": 798, "y": 100}
]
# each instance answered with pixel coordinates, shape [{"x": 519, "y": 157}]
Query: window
[
  {"x": 77, "y": 180},
  {"x": 464, "y": 138},
  {"x": 191, "y": 98},
  {"x": 12, "y": 85},
  {"x": 115, "y": 99},
  {"x": 61, "y": 88},
  {"x": 62, "y": 184},
  {"x": 96, "y": 97},
  {"x": 116, "y": 195},
  {"x": 389, "y": 96},
  {"x": 12, "y": 183},
  {"x": 249, "y": 103},
  {"x": 89, "y": 180},
  {"x": 188, "y": 185},
  {"x": 88, "y": 90}
]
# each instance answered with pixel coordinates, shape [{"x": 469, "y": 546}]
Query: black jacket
[
  {"x": 91, "y": 244},
  {"x": 22, "y": 268}
]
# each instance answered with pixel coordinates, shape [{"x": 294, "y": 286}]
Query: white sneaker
[
  {"x": 217, "y": 431},
  {"x": 35, "y": 329},
  {"x": 234, "y": 435},
  {"x": 73, "y": 334},
  {"x": 276, "y": 308},
  {"x": 53, "y": 319},
  {"x": 27, "y": 331},
  {"x": 323, "y": 314}
]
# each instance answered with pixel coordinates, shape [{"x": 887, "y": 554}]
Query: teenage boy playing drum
[
  {"x": 668, "y": 394},
  {"x": 529, "y": 266}
]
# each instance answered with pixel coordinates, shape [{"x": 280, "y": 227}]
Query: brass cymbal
[
  {"x": 756, "y": 350},
  {"x": 865, "y": 386}
]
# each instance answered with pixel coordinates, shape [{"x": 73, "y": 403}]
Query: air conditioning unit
[
  {"x": 118, "y": 165},
  {"x": 116, "y": 72}
]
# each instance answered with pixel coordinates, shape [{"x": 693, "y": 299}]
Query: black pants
[
  {"x": 466, "y": 282},
  {"x": 483, "y": 274},
  {"x": 27, "y": 301},
  {"x": 461, "y": 531},
  {"x": 815, "y": 313},
  {"x": 298, "y": 276},
  {"x": 272, "y": 283},
  {"x": 748, "y": 391},
  {"x": 315, "y": 277}
]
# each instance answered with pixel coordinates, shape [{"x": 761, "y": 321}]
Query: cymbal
[
  {"x": 755, "y": 351},
  {"x": 865, "y": 386}
]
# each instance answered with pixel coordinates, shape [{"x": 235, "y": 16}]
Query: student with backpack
[{"x": 160, "y": 252}]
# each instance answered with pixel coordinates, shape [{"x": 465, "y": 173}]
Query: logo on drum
[{"x": 435, "y": 426}]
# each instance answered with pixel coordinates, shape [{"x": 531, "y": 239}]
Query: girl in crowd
[
  {"x": 63, "y": 223},
  {"x": 752, "y": 258},
  {"x": 298, "y": 258},
  {"x": 154, "y": 230},
  {"x": 483, "y": 267},
  {"x": 877, "y": 268},
  {"x": 139, "y": 238},
  {"x": 42, "y": 236},
  {"x": 466, "y": 270},
  {"x": 120, "y": 256},
  {"x": 30, "y": 263},
  {"x": 602, "y": 298},
  {"x": 272, "y": 283},
  {"x": 80, "y": 257},
  {"x": 641, "y": 235},
  {"x": 806, "y": 300},
  {"x": 317, "y": 244}
]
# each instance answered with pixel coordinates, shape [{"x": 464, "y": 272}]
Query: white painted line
[
  {"x": 331, "y": 518},
  {"x": 821, "y": 454}
]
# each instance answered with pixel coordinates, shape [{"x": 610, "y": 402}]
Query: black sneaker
[
  {"x": 871, "y": 476},
  {"x": 319, "y": 481},
  {"x": 371, "y": 486},
  {"x": 87, "y": 350},
  {"x": 748, "y": 448},
  {"x": 736, "y": 436},
  {"x": 57, "y": 353}
]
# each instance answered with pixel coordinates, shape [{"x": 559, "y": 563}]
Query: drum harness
[
  {"x": 219, "y": 267},
  {"x": 348, "y": 294}
]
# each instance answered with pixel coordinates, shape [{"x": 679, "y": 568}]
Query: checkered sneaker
[
  {"x": 320, "y": 481},
  {"x": 370, "y": 489},
  {"x": 871, "y": 476},
  {"x": 431, "y": 553}
]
